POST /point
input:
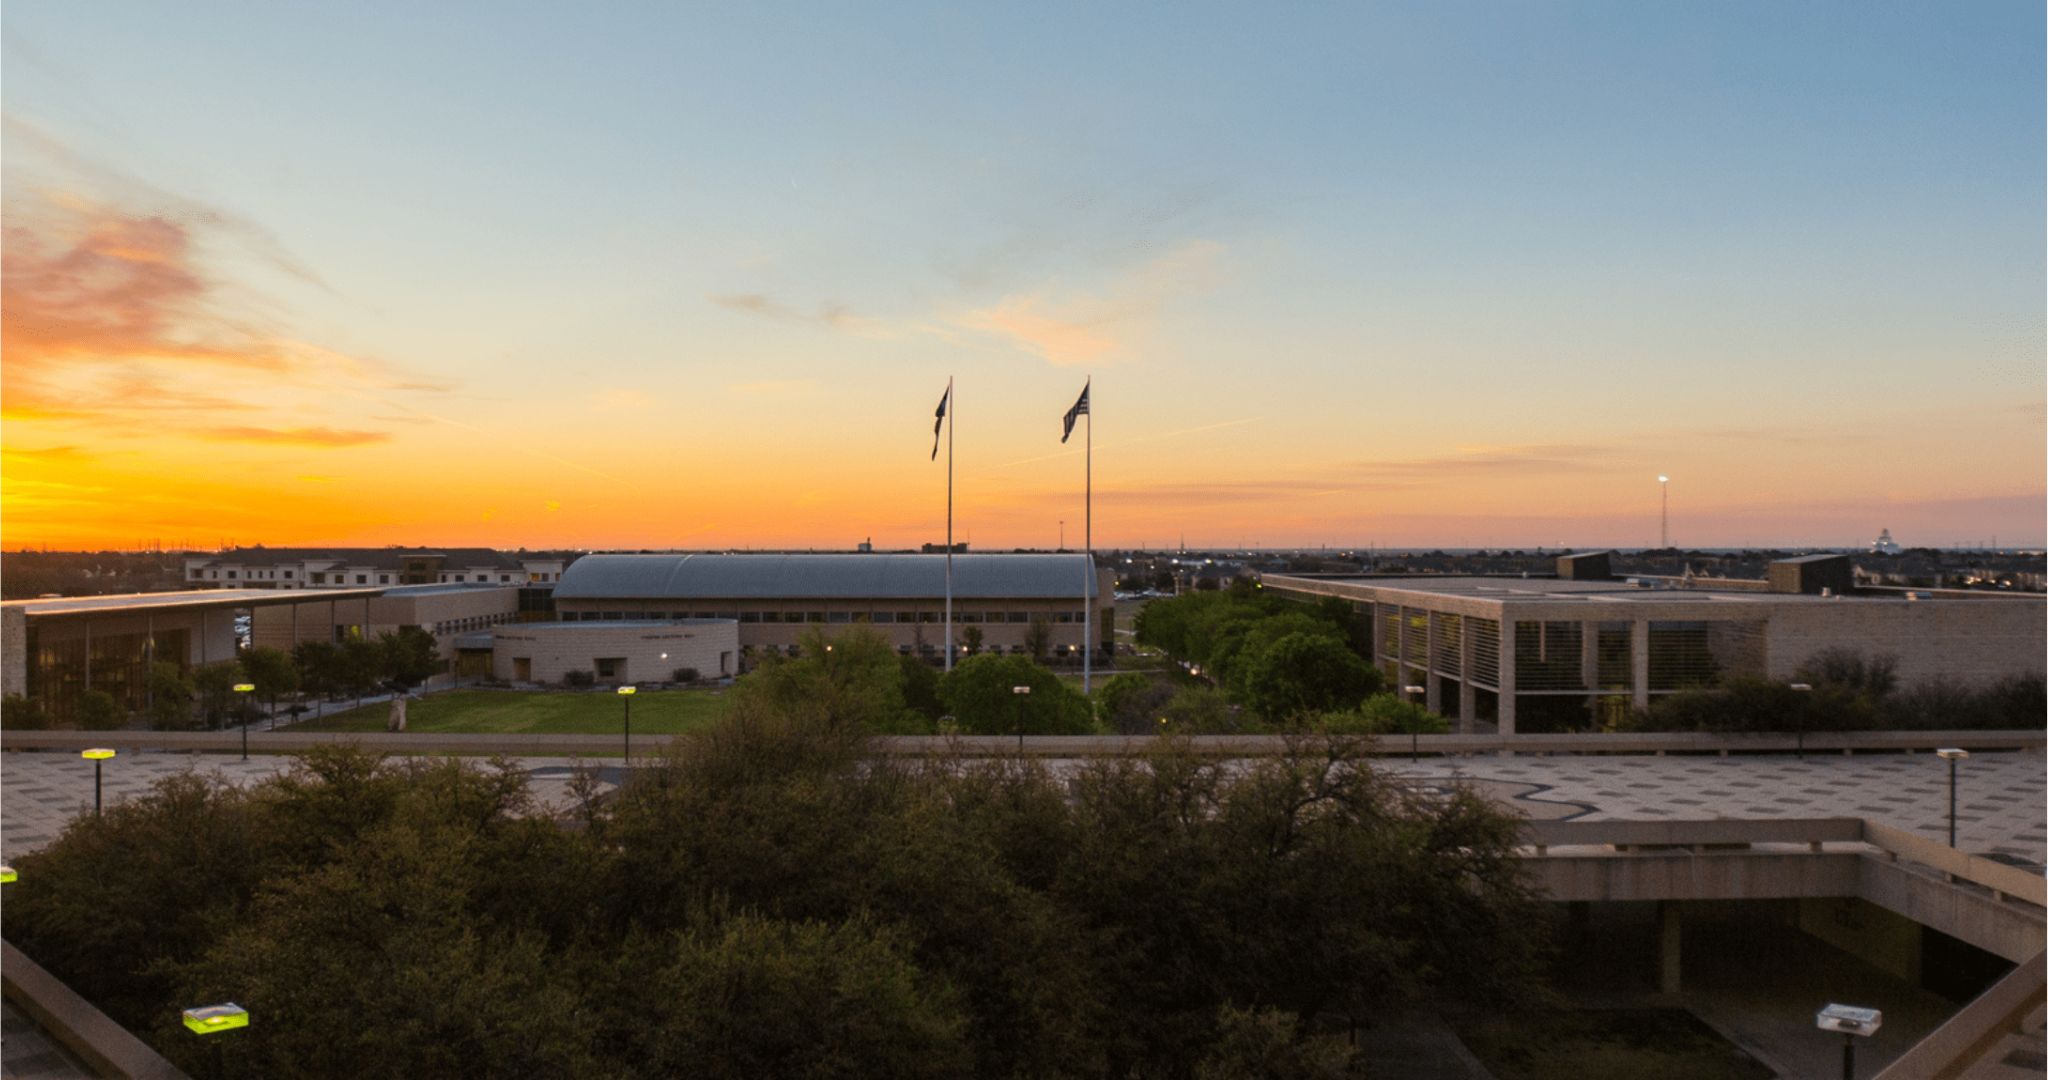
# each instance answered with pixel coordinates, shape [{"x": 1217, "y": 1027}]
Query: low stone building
[{"x": 615, "y": 653}]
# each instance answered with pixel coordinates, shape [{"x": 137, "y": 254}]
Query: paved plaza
[{"x": 2000, "y": 810}]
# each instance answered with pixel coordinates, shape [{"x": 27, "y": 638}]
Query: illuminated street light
[
  {"x": 626, "y": 695},
  {"x": 213, "y": 1020},
  {"x": 7, "y": 875},
  {"x": 1952, "y": 755},
  {"x": 96, "y": 755},
  {"x": 1851, "y": 1021},
  {"x": 245, "y": 689}
]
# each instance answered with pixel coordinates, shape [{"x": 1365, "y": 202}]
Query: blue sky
[{"x": 1404, "y": 273}]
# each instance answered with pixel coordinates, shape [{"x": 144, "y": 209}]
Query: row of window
[
  {"x": 926, "y": 650},
  {"x": 878, "y": 617},
  {"x": 463, "y": 626},
  {"x": 320, "y": 577}
]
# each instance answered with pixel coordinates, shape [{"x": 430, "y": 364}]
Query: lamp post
[
  {"x": 96, "y": 755},
  {"x": 244, "y": 689},
  {"x": 213, "y": 1020},
  {"x": 1953, "y": 755},
  {"x": 1851, "y": 1021},
  {"x": 1414, "y": 732},
  {"x": 1799, "y": 717},
  {"x": 1018, "y": 711},
  {"x": 626, "y": 695},
  {"x": 1664, "y": 511}
]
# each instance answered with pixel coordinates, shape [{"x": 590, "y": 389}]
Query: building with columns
[{"x": 1502, "y": 649}]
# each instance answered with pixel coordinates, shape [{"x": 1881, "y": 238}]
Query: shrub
[
  {"x": 98, "y": 711},
  {"x": 579, "y": 679},
  {"x": 18, "y": 713},
  {"x": 685, "y": 675}
]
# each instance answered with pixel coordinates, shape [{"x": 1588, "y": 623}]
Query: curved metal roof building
[{"x": 826, "y": 577}]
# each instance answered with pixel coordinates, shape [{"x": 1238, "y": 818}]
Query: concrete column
[
  {"x": 1639, "y": 663},
  {"x": 1507, "y": 676},
  {"x": 1669, "y": 937},
  {"x": 1468, "y": 696},
  {"x": 1589, "y": 666},
  {"x": 1431, "y": 695},
  {"x": 1400, "y": 648}
]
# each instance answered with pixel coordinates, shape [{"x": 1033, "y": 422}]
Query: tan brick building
[{"x": 776, "y": 599}]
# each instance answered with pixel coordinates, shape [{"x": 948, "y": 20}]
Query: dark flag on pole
[
  {"x": 1079, "y": 410},
  {"x": 939, "y": 421}
]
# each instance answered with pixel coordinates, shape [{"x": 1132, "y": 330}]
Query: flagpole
[
  {"x": 1088, "y": 541},
  {"x": 952, "y": 408}
]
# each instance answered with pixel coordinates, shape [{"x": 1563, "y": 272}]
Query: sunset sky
[{"x": 636, "y": 275}]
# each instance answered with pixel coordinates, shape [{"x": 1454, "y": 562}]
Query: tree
[
  {"x": 1873, "y": 677},
  {"x": 410, "y": 656},
  {"x": 971, "y": 639},
  {"x": 98, "y": 711},
  {"x": 272, "y": 672},
  {"x": 360, "y": 664},
  {"x": 19, "y": 713},
  {"x": 852, "y": 681},
  {"x": 1131, "y": 703},
  {"x": 981, "y": 694},
  {"x": 170, "y": 698},
  {"x": 1038, "y": 638},
  {"x": 1384, "y": 714},
  {"x": 319, "y": 666},
  {"x": 1303, "y": 675},
  {"x": 921, "y": 688},
  {"x": 215, "y": 685}
]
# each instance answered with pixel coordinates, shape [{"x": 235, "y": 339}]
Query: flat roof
[
  {"x": 1554, "y": 590},
  {"x": 192, "y": 599},
  {"x": 825, "y": 577}
]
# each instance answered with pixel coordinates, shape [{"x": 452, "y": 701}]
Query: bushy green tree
[
  {"x": 410, "y": 656},
  {"x": 980, "y": 693},
  {"x": 1306, "y": 674},
  {"x": 170, "y": 698},
  {"x": 272, "y": 672},
  {"x": 319, "y": 666},
  {"x": 1132, "y": 703},
  {"x": 359, "y": 665},
  {"x": 214, "y": 684},
  {"x": 851, "y": 680},
  {"x": 97, "y": 710},
  {"x": 1384, "y": 714}
]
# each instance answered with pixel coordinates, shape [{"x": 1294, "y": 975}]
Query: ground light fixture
[
  {"x": 1799, "y": 717},
  {"x": 1852, "y": 1021},
  {"x": 1952, "y": 754},
  {"x": 96, "y": 755},
  {"x": 213, "y": 1020},
  {"x": 7, "y": 875},
  {"x": 245, "y": 688},
  {"x": 626, "y": 695}
]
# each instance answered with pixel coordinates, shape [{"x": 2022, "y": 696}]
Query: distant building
[
  {"x": 775, "y": 599},
  {"x": 1884, "y": 544},
  {"x": 615, "y": 653},
  {"x": 353, "y": 568},
  {"x": 1490, "y": 647}
]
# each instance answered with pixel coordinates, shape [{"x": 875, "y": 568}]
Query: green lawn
[{"x": 655, "y": 712}]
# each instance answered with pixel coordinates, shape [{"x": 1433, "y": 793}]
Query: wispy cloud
[
  {"x": 829, "y": 315},
  {"x": 298, "y": 436},
  {"x": 774, "y": 388},
  {"x": 1067, "y": 328}
]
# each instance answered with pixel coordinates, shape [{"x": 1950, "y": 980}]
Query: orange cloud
[
  {"x": 298, "y": 436},
  {"x": 1078, "y": 329}
]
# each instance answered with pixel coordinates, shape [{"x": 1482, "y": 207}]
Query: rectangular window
[
  {"x": 750, "y": 616},
  {"x": 287, "y": 574},
  {"x": 614, "y": 616},
  {"x": 839, "y": 617},
  {"x": 967, "y": 616},
  {"x": 231, "y": 573},
  {"x": 930, "y": 616},
  {"x": 884, "y": 617},
  {"x": 362, "y": 579},
  {"x": 1020, "y": 616},
  {"x": 906, "y": 616},
  {"x": 382, "y": 579},
  {"x": 814, "y": 616},
  {"x": 1066, "y": 617}
]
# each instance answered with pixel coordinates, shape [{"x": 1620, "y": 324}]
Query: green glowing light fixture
[
  {"x": 7, "y": 875},
  {"x": 214, "y": 1019},
  {"x": 97, "y": 753}
]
